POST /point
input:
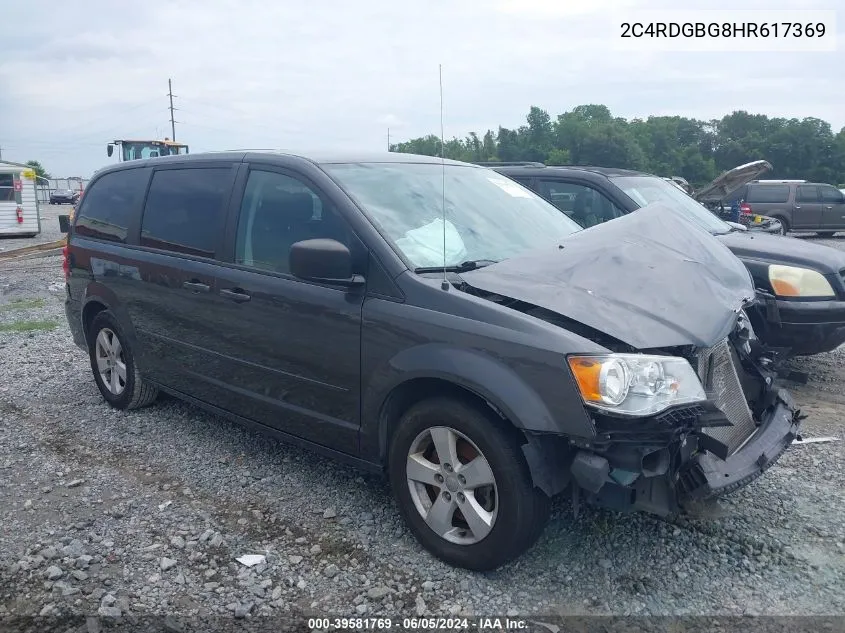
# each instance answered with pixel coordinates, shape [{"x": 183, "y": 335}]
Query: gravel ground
[
  {"x": 144, "y": 513},
  {"x": 49, "y": 229}
]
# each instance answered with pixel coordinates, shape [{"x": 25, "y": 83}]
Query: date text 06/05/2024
[
  {"x": 723, "y": 29},
  {"x": 419, "y": 624}
]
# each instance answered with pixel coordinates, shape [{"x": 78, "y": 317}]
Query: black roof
[{"x": 317, "y": 158}]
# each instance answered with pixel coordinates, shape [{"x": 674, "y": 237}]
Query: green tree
[
  {"x": 662, "y": 145},
  {"x": 38, "y": 168}
]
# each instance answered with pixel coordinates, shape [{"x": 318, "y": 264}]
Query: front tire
[
  {"x": 463, "y": 486},
  {"x": 114, "y": 367}
]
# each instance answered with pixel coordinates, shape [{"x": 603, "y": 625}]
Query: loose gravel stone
[
  {"x": 167, "y": 563},
  {"x": 54, "y": 573}
]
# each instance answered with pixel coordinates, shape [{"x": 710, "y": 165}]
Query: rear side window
[
  {"x": 807, "y": 193},
  {"x": 579, "y": 202},
  {"x": 767, "y": 193},
  {"x": 185, "y": 209},
  {"x": 110, "y": 204}
]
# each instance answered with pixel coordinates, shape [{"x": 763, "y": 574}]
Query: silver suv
[{"x": 798, "y": 204}]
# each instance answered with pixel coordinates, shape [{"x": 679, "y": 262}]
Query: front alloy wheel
[
  {"x": 462, "y": 483},
  {"x": 452, "y": 486}
]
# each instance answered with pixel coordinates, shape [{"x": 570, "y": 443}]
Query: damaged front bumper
[
  {"x": 707, "y": 476},
  {"x": 693, "y": 453},
  {"x": 663, "y": 480}
]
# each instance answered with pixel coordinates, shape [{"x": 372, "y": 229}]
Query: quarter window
[
  {"x": 768, "y": 193},
  {"x": 109, "y": 205}
]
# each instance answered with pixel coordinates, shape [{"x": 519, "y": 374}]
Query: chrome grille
[{"x": 721, "y": 382}]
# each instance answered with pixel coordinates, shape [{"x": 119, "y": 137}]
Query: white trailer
[{"x": 19, "y": 212}]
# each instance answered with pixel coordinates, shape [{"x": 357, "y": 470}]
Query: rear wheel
[
  {"x": 462, "y": 484},
  {"x": 114, "y": 367},
  {"x": 784, "y": 225}
]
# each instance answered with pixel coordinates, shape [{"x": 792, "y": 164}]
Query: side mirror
[
  {"x": 64, "y": 223},
  {"x": 110, "y": 150},
  {"x": 322, "y": 260}
]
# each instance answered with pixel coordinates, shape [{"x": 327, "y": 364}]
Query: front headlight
[
  {"x": 635, "y": 384},
  {"x": 792, "y": 281}
]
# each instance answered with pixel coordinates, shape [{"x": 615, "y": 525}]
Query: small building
[{"x": 19, "y": 212}]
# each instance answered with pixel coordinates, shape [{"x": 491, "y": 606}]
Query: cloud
[{"x": 334, "y": 74}]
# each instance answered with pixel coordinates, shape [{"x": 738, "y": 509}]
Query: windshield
[
  {"x": 141, "y": 149},
  {"x": 488, "y": 216},
  {"x": 649, "y": 189}
]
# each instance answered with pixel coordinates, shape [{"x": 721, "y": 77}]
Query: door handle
[
  {"x": 196, "y": 286},
  {"x": 828, "y": 207},
  {"x": 797, "y": 206},
  {"x": 235, "y": 294}
]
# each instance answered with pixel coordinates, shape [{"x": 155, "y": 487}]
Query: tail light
[
  {"x": 19, "y": 215},
  {"x": 745, "y": 208},
  {"x": 65, "y": 263}
]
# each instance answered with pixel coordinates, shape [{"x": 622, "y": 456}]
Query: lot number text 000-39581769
[{"x": 711, "y": 30}]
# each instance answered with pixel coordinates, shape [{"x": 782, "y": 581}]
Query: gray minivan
[
  {"x": 436, "y": 322},
  {"x": 798, "y": 204}
]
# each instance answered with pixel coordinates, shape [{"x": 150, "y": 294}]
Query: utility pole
[
  {"x": 172, "y": 120},
  {"x": 388, "y": 139}
]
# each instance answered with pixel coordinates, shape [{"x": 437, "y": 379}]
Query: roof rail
[
  {"x": 782, "y": 181},
  {"x": 516, "y": 163}
]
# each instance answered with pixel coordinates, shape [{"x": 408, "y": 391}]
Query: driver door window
[
  {"x": 278, "y": 211},
  {"x": 581, "y": 203},
  {"x": 833, "y": 207}
]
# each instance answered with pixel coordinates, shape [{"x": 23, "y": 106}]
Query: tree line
[{"x": 663, "y": 145}]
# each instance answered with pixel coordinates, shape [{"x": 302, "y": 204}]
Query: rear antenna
[{"x": 445, "y": 283}]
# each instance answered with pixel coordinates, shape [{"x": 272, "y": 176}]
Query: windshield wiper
[{"x": 463, "y": 267}]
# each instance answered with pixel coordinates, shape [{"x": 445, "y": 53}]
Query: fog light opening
[{"x": 655, "y": 463}]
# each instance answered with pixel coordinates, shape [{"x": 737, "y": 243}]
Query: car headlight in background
[
  {"x": 635, "y": 384},
  {"x": 793, "y": 281}
]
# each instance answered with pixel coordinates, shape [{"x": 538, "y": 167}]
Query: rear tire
[
  {"x": 114, "y": 367},
  {"x": 784, "y": 225},
  {"x": 481, "y": 526}
]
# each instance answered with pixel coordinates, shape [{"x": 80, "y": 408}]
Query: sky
[{"x": 335, "y": 75}]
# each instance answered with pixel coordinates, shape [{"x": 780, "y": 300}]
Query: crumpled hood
[
  {"x": 649, "y": 279},
  {"x": 780, "y": 249}
]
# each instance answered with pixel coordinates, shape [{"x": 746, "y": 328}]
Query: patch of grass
[
  {"x": 28, "y": 326},
  {"x": 22, "y": 304}
]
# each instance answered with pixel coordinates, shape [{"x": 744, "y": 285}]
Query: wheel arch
[
  {"x": 98, "y": 298},
  {"x": 489, "y": 385}
]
